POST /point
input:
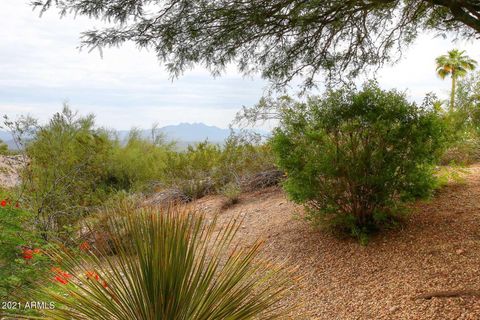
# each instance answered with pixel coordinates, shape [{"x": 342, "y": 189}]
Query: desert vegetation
[
  {"x": 161, "y": 257},
  {"x": 112, "y": 227},
  {"x": 75, "y": 172},
  {"x": 355, "y": 158}
]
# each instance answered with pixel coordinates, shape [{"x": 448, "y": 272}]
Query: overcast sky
[{"x": 41, "y": 67}]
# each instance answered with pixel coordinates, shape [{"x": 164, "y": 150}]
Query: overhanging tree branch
[{"x": 280, "y": 39}]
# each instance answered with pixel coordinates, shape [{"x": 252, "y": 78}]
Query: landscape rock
[
  {"x": 9, "y": 170},
  {"x": 167, "y": 198}
]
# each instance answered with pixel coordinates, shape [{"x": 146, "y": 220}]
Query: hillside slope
[{"x": 438, "y": 249}]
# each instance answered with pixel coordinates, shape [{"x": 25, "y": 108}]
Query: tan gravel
[
  {"x": 9, "y": 166},
  {"x": 438, "y": 249}
]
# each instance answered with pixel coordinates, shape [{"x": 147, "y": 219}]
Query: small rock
[
  {"x": 460, "y": 251},
  {"x": 394, "y": 308}
]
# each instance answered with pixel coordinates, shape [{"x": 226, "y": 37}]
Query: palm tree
[{"x": 454, "y": 64}]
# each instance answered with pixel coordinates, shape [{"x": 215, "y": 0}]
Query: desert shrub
[
  {"x": 463, "y": 140},
  {"x": 463, "y": 151},
  {"x": 73, "y": 167},
  {"x": 263, "y": 179},
  {"x": 68, "y": 159},
  {"x": 3, "y": 148},
  {"x": 463, "y": 124},
  {"x": 175, "y": 266},
  {"x": 243, "y": 156},
  {"x": 451, "y": 174},
  {"x": 231, "y": 192},
  {"x": 353, "y": 157},
  {"x": 21, "y": 256},
  {"x": 137, "y": 163},
  {"x": 207, "y": 168},
  {"x": 467, "y": 100},
  {"x": 192, "y": 171}
]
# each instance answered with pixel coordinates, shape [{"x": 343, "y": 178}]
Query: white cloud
[
  {"x": 40, "y": 66},
  {"x": 416, "y": 74}
]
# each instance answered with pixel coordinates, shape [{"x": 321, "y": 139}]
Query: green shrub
[
  {"x": 231, "y": 192},
  {"x": 192, "y": 171},
  {"x": 354, "y": 156},
  {"x": 462, "y": 145},
  {"x": 3, "y": 148},
  {"x": 19, "y": 267},
  {"x": 207, "y": 168},
  {"x": 138, "y": 163},
  {"x": 452, "y": 174},
  {"x": 74, "y": 167},
  {"x": 175, "y": 265},
  {"x": 463, "y": 124},
  {"x": 243, "y": 156},
  {"x": 464, "y": 150},
  {"x": 68, "y": 160}
]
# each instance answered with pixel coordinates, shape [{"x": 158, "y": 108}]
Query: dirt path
[{"x": 437, "y": 250}]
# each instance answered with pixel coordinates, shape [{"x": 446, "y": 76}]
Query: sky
[{"x": 41, "y": 67}]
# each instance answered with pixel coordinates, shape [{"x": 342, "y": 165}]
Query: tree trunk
[{"x": 452, "y": 95}]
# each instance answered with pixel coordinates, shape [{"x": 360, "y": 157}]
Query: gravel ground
[
  {"x": 9, "y": 166},
  {"x": 436, "y": 250}
]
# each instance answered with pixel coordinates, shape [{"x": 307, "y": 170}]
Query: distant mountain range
[
  {"x": 188, "y": 132},
  {"x": 7, "y": 138},
  {"x": 183, "y": 134}
]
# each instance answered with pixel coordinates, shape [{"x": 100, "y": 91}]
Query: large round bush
[{"x": 353, "y": 156}]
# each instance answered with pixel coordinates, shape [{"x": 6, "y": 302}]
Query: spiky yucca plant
[{"x": 171, "y": 264}]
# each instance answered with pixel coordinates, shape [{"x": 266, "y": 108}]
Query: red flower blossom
[
  {"x": 17, "y": 205},
  {"x": 61, "y": 276},
  {"x": 92, "y": 275},
  {"x": 61, "y": 279},
  {"x": 27, "y": 253},
  {"x": 37, "y": 251},
  {"x": 3, "y": 203},
  {"x": 84, "y": 246}
]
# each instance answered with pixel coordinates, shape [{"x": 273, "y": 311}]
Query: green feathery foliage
[
  {"x": 281, "y": 39},
  {"x": 352, "y": 157}
]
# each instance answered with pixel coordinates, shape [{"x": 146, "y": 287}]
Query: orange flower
[
  {"x": 61, "y": 279},
  {"x": 37, "y": 251},
  {"x": 92, "y": 275},
  {"x": 27, "y": 253},
  {"x": 61, "y": 276},
  {"x": 84, "y": 246}
]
